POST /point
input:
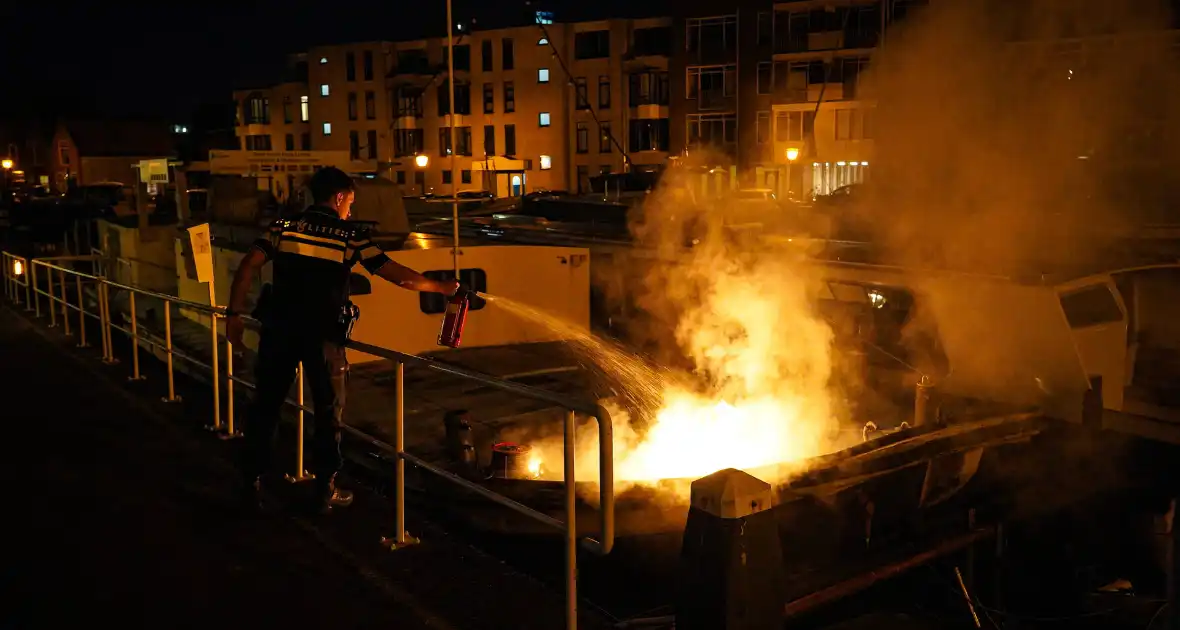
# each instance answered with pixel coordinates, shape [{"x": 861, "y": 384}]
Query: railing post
[
  {"x": 401, "y": 538},
  {"x": 213, "y": 366},
  {"x": 81, "y": 314},
  {"x": 49, "y": 294},
  {"x": 300, "y": 473},
  {"x": 172, "y": 397},
  {"x": 102, "y": 320},
  {"x": 571, "y": 528},
  {"x": 65, "y": 303},
  {"x": 105, "y": 298},
  {"x": 26, "y": 271},
  {"x": 230, "y": 433},
  {"x": 36, "y": 293},
  {"x": 135, "y": 375}
]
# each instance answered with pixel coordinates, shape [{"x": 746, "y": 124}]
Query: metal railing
[{"x": 21, "y": 279}]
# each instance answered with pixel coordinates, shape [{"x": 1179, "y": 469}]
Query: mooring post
[{"x": 731, "y": 562}]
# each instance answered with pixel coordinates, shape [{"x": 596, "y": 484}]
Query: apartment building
[{"x": 349, "y": 102}]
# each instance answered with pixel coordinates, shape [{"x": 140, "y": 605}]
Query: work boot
[{"x": 331, "y": 497}]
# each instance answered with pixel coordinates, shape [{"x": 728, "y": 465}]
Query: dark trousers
[{"x": 325, "y": 370}]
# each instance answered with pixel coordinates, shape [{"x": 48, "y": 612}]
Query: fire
[{"x": 759, "y": 396}]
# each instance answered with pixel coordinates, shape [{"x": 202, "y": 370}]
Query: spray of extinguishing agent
[{"x": 456, "y": 315}]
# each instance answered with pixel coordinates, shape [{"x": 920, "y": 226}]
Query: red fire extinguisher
[{"x": 456, "y": 315}]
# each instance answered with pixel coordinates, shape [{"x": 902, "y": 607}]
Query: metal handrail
[{"x": 402, "y": 538}]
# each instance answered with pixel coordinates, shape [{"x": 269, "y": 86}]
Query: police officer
[{"x": 306, "y": 318}]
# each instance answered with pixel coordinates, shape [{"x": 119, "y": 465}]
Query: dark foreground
[{"x": 120, "y": 510}]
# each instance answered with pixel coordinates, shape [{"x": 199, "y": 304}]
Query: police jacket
[{"x": 313, "y": 254}]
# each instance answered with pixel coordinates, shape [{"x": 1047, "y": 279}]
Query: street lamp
[
  {"x": 7, "y": 164},
  {"x": 792, "y": 155},
  {"x": 422, "y": 160}
]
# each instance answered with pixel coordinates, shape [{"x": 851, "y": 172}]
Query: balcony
[
  {"x": 825, "y": 40},
  {"x": 405, "y": 121},
  {"x": 649, "y": 111}
]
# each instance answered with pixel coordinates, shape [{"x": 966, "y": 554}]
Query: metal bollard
[
  {"x": 230, "y": 433},
  {"x": 172, "y": 397},
  {"x": 65, "y": 303},
  {"x": 300, "y": 473},
  {"x": 216, "y": 373},
  {"x": 81, "y": 314},
  {"x": 135, "y": 375}
]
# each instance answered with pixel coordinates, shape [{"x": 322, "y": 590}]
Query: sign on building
[
  {"x": 152, "y": 172},
  {"x": 266, "y": 163}
]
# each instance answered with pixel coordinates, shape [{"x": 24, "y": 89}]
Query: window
[
  {"x": 465, "y": 176},
  {"x": 444, "y": 141},
  {"x": 352, "y": 105},
  {"x": 489, "y": 98},
  {"x": 464, "y": 142},
  {"x": 543, "y": 119},
  {"x": 580, "y": 99},
  {"x": 350, "y": 66},
  {"x": 603, "y": 92},
  {"x": 543, "y": 75},
  {"x": 764, "y": 28},
  {"x": 400, "y": 177},
  {"x": 648, "y": 135},
  {"x": 485, "y": 54},
  {"x": 710, "y": 36},
  {"x": 793, "y": 126},
  {"x": 712, "y": 129},
  {"x": 304, "y": 114},
  {"x": 464, "y": 147},
  {"x": 506, "y": 53},
  {"x": 462, "y": 57},
  {"x": 354, "y": 145},
  {"x": 709, "y": 85},
  {"x": 462, "y": 99},
  {"x": 447, "y": 176},
  {"x": 327, "y": 129},
  {"x": 854, "y": 124},
  {"x": 258, "y": 143},
  {"x": 546, "y": 162},
  {"x": 324, "y": 91},
  {"x": 765, "y": 77},
  {"x": 509, "y": 97},
  {"x": 290, "y": 142},
  {"x": 368, "y": 61},
  {"x": 544, "y": 17},
  {"x": 762, "y": 133},
  {"x": 583, "y": 178},
  {"x": 509, "y": 139},
  {"x": 651, "y": 41},
  {"x": 583, "y": 138},
  {"x": 592, "y": 44},
  {"x": 287, "y": 109},
  {"x": 370, "y": 105},
  {"x": 489, "y": 139},
  {"x": 305, "y": 141},
  {"x": 604, "y": 138},
  {"x": 409, "y": 103},
  {"x": 436, "y": 303},
  {"x": 258, "y": 111},
  {"x": 371, "y": 143},
  {"x": 1091, "y": 306},
  {"x": 408, "y": 142},
  {"x": 648, "y": 88}
]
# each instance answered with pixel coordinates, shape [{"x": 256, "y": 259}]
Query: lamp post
[
  {"x": 422, "y": 161},
  {"x": 6, "y": 163},
  {"x": 792, "y": 155},
  {"x": 454, "y": 141}
]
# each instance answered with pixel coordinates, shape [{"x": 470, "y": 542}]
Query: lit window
[
  {"x": 546, "y": 162},
  {"x": 543, "y": 119},
  {"x": 327, "y": 129},
  {"x": 543, "y": 75},
  {"x": 323, "y": 60},
  {"x": 544, "y": 17},
  {"x": 542, "y": 42},
  {"x": 303, "y": 109},
  {"x": 324, "y": 91}
]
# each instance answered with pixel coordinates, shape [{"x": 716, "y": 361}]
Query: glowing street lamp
[
  {"x": 7, "y": 164},
  {"x": 422, "y": 160},
  {"x": 792, "y": 155}
]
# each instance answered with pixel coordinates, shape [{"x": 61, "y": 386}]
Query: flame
[
  {"x": 758, "y": 397},
  {"x": 534, "y": 466}
]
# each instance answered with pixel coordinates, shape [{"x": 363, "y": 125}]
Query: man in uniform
[{"x": 307, "y": 319}]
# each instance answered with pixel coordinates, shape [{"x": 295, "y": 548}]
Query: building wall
[{"x": 329, "y": 65}]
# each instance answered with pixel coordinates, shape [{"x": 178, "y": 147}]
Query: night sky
[{"x": 166, "y": 60}]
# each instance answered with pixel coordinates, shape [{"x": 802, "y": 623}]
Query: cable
[{"x": 569, "y": 78}]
